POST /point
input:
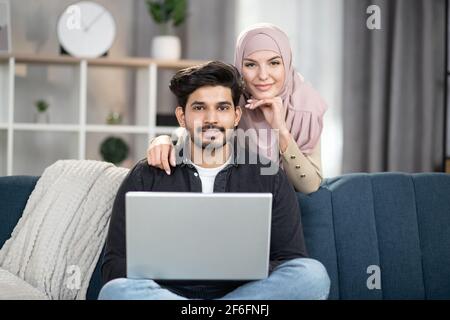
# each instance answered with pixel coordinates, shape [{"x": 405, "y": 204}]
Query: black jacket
[{"x": 287, "y": 241}]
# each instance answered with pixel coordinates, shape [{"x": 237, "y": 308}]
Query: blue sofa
[{"x": 393, "y": 227}]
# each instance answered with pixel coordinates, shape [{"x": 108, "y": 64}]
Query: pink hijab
[{"x": 303, "y": 106}]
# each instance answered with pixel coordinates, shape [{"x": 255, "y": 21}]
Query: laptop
[{"x": 197, "y": 236}]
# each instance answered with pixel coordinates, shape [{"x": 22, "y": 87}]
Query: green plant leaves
[
  {"x": 114, "y": 150},
  {"x": 155, "y": 10},
  {"x": 168, "y": 10},
  {"x": 179, "y": 12},
  {"x": 41, "y": 105}
]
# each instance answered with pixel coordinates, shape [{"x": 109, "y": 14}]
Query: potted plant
[
  {"x": 167, "y": 14},
  {"x": 114, "y": 150},
  {"x": 41, "y": 115},
  {"x": 114, "y": 118}
]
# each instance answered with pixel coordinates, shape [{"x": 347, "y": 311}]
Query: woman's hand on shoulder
[{"x": 160, "y": 152}]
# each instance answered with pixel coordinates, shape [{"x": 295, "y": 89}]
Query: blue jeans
[{"x": 296, "y": 279}]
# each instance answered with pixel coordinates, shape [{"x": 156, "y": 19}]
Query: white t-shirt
[{"x": 208, "y": 175}]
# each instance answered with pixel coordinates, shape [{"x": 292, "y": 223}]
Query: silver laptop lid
[{"x": 196, "y": 236}]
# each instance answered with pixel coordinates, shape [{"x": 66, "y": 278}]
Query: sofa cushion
[
  {"x": 433, "y": 216},
  {"x": 397, "y": 222},
  {"x": 318, "y": 229}
]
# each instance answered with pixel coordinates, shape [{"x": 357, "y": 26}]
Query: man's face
[{"x": 210, "y": 116}]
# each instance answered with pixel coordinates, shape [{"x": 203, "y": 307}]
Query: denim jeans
[{"x": 296, "y": 279}]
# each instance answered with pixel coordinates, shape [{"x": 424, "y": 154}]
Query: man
[{"x": 208, "y": 108}]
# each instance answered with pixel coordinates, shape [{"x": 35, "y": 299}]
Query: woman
[{"x": 277, "y": 97}]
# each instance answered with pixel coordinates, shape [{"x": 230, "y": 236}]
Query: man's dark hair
[{"x": 214, "y": 73}]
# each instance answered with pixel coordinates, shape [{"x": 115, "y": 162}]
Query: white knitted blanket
[{"x": 56, "y": 244}]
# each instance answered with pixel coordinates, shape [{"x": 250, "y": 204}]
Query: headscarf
[{"x": 303, "y": 106}]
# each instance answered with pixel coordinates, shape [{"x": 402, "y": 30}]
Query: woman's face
[{"x": 263, "y": 73}]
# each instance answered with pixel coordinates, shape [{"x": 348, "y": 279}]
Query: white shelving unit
[{"x": 10, "y": 129}]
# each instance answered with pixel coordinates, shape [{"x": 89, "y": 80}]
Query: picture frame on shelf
[{"x": 5, "y": 27}]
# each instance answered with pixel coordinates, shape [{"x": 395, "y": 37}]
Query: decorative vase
[
  {"x": 42, "y": 117},
  {"x": 166, "y": 48}
]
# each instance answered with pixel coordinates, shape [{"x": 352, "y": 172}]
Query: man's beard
[{"x": 212, "y": 144}]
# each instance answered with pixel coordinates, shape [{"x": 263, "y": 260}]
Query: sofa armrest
[{"x": 14, "y": 194}]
